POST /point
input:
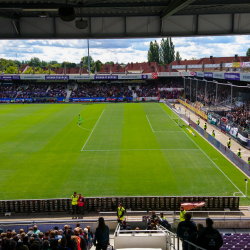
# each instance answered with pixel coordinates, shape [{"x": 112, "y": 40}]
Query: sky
[{"x": 121, "y": 50}]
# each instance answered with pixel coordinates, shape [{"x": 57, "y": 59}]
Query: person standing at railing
[
  {"x": 120, "y": 213},
  {"x": 248, "y": 161},
  {"x": 198, "y": 121},
  {"x": 74, "y": 199},
  {"x": 213, "y": 133},
  {"x": 209, "y": 238},
  {"x": 185, "y": 230},
  {"x": 239, "y": 153},
  {"x": 229, "y": 143},
  {"x": 182, "y": 213},
  {"x": 205, "y": 126}
]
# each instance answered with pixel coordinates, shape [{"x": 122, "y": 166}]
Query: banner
[
  {"x": 198, "y": 112},
  {"x": 32, "y": 77},
  {"x": 242, "y": 137},
  {"x": 234, "y": 132},
  {"x": 218, "y": 75},
  {"x": 245, "y": 64},
  {"x": 236, "y": 64},
  {"x": 57, "y": 77},
  {"x": 208, "y": 74},
  {"x": 7, "y": 77},
  {"x": 232, "y": 76}
]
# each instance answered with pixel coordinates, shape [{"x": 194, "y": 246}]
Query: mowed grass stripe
[
  {"x": 50, "y": 165},
  {"x": 143, "y": 173},
  {"x": 7, "y": 109},
  {"x": 217, "y": 158},
  {"x": 98, "y": 170}
]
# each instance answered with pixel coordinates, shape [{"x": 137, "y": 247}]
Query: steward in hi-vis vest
[
  {"x": 205, "y": 126},
  {"x": 120, "y": 213},
  {"x": 213, "y": 133},
  {"x": 229, "y": 143},
  {"x": 239, "y": 153}
]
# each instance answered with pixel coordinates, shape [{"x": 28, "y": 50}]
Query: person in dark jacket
[
  {"x": 101, "y": 235},
  {"x": 185, "y": 229},
  {"x": 209, "y": 238},
  {"x": 125, "y": 225}
]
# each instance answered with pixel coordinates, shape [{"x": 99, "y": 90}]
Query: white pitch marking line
[
  {"x": 84, "y": 128},
  {"x": 150, "y": 124},
  {"x": 92, "y": 130},
  {"x": 168, "y": 131},
  {"x": 206, "y": 155},
  {"x": 134, "y": 149}
]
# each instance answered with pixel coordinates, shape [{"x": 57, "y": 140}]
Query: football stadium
[{"x": 108, "y": 153}]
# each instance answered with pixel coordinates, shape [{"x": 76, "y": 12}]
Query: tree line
[
  {"x": 163, "y": 53},
  {"x": 10, "y": 66}
]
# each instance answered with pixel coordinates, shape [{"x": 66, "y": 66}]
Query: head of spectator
[
  {"x": 76, "y": 232},
  {"x": 54, "y": 244},
  {"x": 200, "y": 227},
  {"x": 63, "y": 242},
  {"x": 45, "y": 245},
  {"x": 30, "y": 232},
  {"x": 60, "y": 232},
  {"x": 40, "y": 235},
  {"x": 124, "y": 223},
  {"x": 56, "y": 228},
  {"x": 101, "y": 224},
  {"x": 24, "y": 247},
  {"x": 52, "y": 234},
  {"x": 25, "y": 240},
  {"x": 74, "y": 238},
  {"x": 77, "y": 224},
  {"x": 89, "y": 228},
  {"x": 9, "y": 234},
  {"x": 32, "y": 240},
  {"x": 161, "y": 214},
  {"x": 81, "y": 231},
  {"x": 21, "y": 231},
  {"x": 13, "y": 245},
  {"x": 35, "y": 228},
  {"x": 157, "y": 223},
  {"x": 187, "y": 216},
  {"x": 69, "y": 231},
  {"x": 22, "y": 236},
  {"x": 152, "y": 225},
  {"x": 85, "y": 230},
  {"x": 35, "y": 246},
  {"x": 16, "y": 238},
  {"x": 46, "y": 235},
  {"x": 34, "y": 235},
  {"x": 137, "y": 228},
  {"x": 153, "y": 213},
  {"x": 209, "y": 222}
]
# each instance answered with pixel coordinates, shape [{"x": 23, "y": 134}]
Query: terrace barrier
[{"x": 111, "y": 203}]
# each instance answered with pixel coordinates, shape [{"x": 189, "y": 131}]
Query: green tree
[
  {"x": 154, "y": 52},
  {"x": 248, "y": 52},
  {"x": 171, "y": 51},
  {"x": 35, "y": 61},
  {"x": 97, "y": 65},
  {"x": 178, "y": 56},
  {"x": 11, "y": 70},
  {"x": 111, "y": 62},
  {"x": 69, "y": 64}
]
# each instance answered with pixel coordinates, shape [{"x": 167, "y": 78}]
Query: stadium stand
[{"x": 8, "y": 91}]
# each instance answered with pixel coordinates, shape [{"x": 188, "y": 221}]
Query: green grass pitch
[{"x": 128, "y": 149}]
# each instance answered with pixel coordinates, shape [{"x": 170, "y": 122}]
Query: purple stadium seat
[
  {"x": 237, "y": 248},
  {"x": 223, "y": 248}
]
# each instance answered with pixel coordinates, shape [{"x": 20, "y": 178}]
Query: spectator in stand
[
  {"x": 63, "y": 244},
  {"x": 209, "y": 238},
  {"x": 90, "y": 235},
  {"x": 151, "y": 227},
  {"x": 35, "y": 230},
  {"x": 30, "y": 232},
  {"x": 71, "y": 244},
  {"x": 60, "y": 234},
  {"x": 125, "y": 225},
  {"x": 81, "y": 242},
  {"x": 40, "y": 236},
  {"x": 26, "y": 241},
  {"x": 80, "y": 201},
  {"x": 20, "y": 232},
  {"x": 101, "y": 240},
  {"x": 185, "y": 229},
  {"x": 194, "y": 235}
]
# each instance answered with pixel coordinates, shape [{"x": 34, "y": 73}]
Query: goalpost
[{"x": 179, "y": 115}]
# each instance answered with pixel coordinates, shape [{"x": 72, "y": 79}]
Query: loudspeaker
[{"x": 67, "y": 14}]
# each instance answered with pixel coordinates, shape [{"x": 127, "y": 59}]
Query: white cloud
[{"x": 123, "y": 50}]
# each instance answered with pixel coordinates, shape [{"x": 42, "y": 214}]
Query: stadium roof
[{"x": 31, "y": 19}]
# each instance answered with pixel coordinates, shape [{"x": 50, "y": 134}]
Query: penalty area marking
[
  {"x": 92, "y": 130},
  {"x": 150, "y": 124},
  {"x": 204, "y": 153}
]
